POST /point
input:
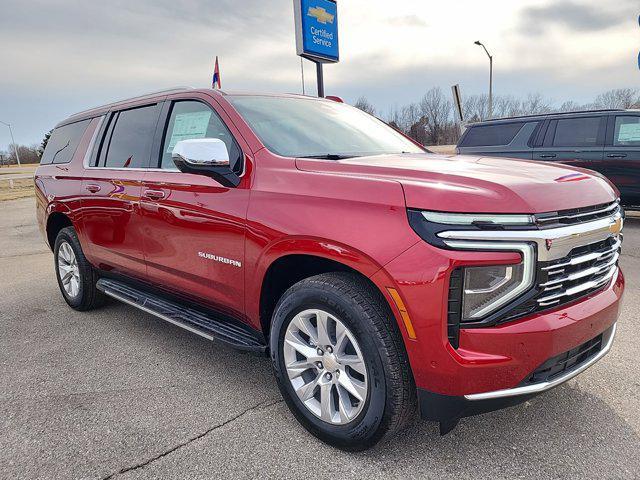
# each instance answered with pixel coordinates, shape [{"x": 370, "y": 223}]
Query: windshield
[{"x": 302, "y": 127}]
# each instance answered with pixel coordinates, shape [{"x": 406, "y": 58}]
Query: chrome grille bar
[
  {"x": 609, "y": 208},
  {"x": 587, "y": 272},
  {"x": 583, "y": 287},
  {"x": 585, "y": 258}
]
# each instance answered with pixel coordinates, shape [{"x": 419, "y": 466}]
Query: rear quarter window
[
  {"x": 490, "y": 135},
  {"x": 63, "y": 143}
]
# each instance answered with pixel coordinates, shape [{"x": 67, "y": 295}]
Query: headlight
[{"x": 485, "y": 287}]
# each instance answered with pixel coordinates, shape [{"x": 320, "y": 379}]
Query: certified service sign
[{"x": 317, "y": 29}]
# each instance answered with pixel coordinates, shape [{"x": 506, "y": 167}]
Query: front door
[
  {"x": 577, "y": 141},
  {"x": 621, "y": 162},
  {"x": 194, "y": 228},
  {"x": 111, "y": 191}
]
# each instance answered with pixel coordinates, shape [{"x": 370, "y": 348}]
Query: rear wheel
[
  {"x": 76, "y": 277},
  {"x": 340, "y": 362}
]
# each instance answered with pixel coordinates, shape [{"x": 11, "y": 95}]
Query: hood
[{"x": 477, "y": 184}]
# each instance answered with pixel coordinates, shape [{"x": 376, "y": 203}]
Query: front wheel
[{"x": 340, "y": 362}]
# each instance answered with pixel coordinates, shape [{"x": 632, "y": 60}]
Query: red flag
[{"x": 216, "y": 76}]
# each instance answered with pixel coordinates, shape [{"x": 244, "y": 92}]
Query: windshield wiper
[{"x": 329, "y": 156}]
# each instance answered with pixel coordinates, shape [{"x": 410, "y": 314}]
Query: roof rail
[{"x": 599, "y": 110}]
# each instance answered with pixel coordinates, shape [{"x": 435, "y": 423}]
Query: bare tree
[
  {"x": 436, "y": 112},
  {"x": 476, "y": 107},
  {"x": 535, "y": 104},
  {"x": 506, "y": 106},
  {"x": 430, "y": 121},
  {"x": 363, "y": 104},
  {"x": 27, "y": 154},
  {"x": 618, "y": 98},
  {"x": 571, "y": 106}
]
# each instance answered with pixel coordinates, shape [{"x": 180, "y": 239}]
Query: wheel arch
[
  {"x": 56, "y": 221},
  {"x": 293, "y": 260}
]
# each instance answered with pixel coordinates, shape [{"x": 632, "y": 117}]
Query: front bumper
[
  {"x": 447, "y": 408},
  {"x": 540, "y": 387},
  {"x": 491, "y": 362}
]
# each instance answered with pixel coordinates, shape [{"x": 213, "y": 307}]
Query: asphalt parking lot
[{"x": 116, "y": 393}]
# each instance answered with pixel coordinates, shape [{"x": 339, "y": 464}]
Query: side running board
[{"x": 205, "y": 324}]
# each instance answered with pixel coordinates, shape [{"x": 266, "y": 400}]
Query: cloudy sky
[{"x": 62, "y": 56}]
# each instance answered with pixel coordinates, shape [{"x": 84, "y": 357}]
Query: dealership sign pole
[{"x": 317, "y": 33}]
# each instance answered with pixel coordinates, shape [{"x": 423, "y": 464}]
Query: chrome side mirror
[{"x": 205, "y": 156}]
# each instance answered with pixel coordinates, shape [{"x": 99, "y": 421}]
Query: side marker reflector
[{"x": 403, "y": 312}]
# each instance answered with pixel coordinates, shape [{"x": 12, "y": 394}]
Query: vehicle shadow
[{"x": 560, "y": 434}]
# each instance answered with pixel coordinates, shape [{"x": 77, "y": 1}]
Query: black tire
[
  {"x": 391, "y": 400},
  {"x": 88, "y": 296}
]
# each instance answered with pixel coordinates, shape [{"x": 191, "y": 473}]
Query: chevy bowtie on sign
[{"x": 317, "y": 30}]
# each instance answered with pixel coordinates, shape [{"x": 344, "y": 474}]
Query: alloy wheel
[
  {"x": 325, "y": 366},
  {"x": 68, "y": 270}
]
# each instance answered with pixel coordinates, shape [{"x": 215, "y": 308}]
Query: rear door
[
  {"x": 194, "y": 227},
  {"x": 111, "y": 190},
  {"x": 621, "y": 163},
  {"x": 577, "y": 141}
]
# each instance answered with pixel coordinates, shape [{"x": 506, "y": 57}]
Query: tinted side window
[
  {"x": 191, "y": 119},
  {"x": 577, "y": 132},
  {"x": 627, "y": 132},
  {"x": 488, "y": 135},
  {"x": 63, "y": 143},
  {"x": 130, "y": 144}
]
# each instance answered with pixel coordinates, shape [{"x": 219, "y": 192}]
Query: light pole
[
  {"x": 478, "y": 42},
  {"x": 15, "y": 147}
]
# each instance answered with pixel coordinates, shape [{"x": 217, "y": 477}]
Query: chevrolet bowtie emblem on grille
[
  {"x": 321, "y": 15},
  {"x": 616, "y": 227}
]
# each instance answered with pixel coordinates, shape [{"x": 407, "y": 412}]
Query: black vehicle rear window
[
  {"x": 63, "y": 143},
  {"x": 489, "y": 135}
]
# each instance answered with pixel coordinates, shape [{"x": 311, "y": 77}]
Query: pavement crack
[{"x": 259, "y": 406}]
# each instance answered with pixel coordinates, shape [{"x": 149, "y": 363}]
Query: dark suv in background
[{"x": 607, "y": 141}]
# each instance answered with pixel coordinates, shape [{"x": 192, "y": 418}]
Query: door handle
[
  {"x": 154, "y": 194},
  {"x": 93, "y": 188},
  {"x": 548, "y": 155},
  {"x": 617, "y": 155}
]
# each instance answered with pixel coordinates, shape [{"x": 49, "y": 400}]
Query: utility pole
[
  {"x": 15, "y": 147},
  {"x": 478, "y": 42}
]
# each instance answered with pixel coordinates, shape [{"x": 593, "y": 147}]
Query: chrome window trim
[
  {"x": 92, "y": 143},
  {"x": 552, "y": 244},
  {"x": 548, "y": 385},
  {"x": 528, "y": 275}
]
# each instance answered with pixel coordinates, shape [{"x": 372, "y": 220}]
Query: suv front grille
[
  {"x": 565, "y": 362},
  {"x": 584, "y": 270}
]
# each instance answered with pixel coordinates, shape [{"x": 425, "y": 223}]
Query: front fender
[{"x": 322, "y": 248}]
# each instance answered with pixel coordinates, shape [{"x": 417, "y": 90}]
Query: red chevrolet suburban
[{"x": 380, "y": 278}]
